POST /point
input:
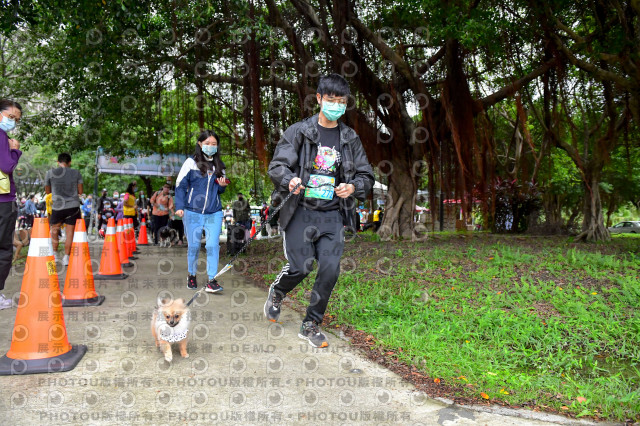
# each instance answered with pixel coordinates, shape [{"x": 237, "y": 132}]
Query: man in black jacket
[{"x": 323, "y": 162}]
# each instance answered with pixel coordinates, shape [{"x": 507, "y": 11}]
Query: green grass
[{"x": 532, "y": 321}]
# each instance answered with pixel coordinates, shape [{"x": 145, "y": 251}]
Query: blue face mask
[
  {"x": 7, "y": 124},
  {"x": 209, "y": 150},
  {"x": 333, "y": 110}
]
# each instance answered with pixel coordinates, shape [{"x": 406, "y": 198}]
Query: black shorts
[{"x": 66, "y": 216}]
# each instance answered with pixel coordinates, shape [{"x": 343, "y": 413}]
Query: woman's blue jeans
[{"x": 194, "y": 223}]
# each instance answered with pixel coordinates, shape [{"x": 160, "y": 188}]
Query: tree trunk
[
  {"x": 254, "y": 78},
  {"x": 147, "y": 185},
  {"x": 398, "y": 208},
  {"x": 593, "y": 228},
  {"x": 552, "y": 205},
  {"x": 200, "y": 104}
]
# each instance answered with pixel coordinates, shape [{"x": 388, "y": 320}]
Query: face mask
[
  {"x": 209, "y": 150},
  {"x": 7, "y": 124},
  {"x": 333, "y": 110}
]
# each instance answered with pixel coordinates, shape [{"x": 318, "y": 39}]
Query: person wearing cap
[
  {"x": 106, "y": 214},
  {"x": 242, "y": 213},
  {"x": 10, "y": 114}
]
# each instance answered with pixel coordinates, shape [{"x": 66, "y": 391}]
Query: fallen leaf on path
[
  {"x": 564, "y": 407},
  {"x": 436, "y": 380},
  {"x": 581, "y": 399},
  {"x": 484, "y": 395}
]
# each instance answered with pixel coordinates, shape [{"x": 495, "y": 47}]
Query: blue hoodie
[{"x": 197, "y": 193}]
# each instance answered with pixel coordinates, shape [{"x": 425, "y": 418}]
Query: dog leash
[{"x": 244, "y": 247}]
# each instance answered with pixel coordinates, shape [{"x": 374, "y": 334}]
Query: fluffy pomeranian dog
[{"x": 170, "y": 324}]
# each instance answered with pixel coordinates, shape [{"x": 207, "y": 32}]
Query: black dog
[
  {"x": 168, "y": 236},
  {"x": 236, "y": 237}
]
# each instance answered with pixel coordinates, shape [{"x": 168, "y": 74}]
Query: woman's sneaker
[
  {"x": 192, "y": 283},
  {"x": 273, "y": 304},
  {"x": 213, "y": 286},
  {"x": 5, "y": 303},
  {"x": 309, "y": 331}
]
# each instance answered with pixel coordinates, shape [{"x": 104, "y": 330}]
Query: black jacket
[{"x": 294, "y": 157}]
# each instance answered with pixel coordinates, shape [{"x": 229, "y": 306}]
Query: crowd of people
[{"x": 158, "y": 210}]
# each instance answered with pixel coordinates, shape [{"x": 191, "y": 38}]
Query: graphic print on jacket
[{"x": 195, "y": 192}]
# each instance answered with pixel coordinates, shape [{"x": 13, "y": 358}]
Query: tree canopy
[{"x": 457, "y": 96}]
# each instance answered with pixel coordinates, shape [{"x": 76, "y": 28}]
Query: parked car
[{"x": 629, "y": 227}]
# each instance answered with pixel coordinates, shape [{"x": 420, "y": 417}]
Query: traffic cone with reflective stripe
[
  {"x": 253, "y": 229},
  {"x": 131, "y": 238},
  {"x": 143, "y": 238},
  {"x": 39, "y": 342},
  {"x": 79, "y": 289},
  {"x": 123, "y": 249},
  {"x": 110, "y": 268}
]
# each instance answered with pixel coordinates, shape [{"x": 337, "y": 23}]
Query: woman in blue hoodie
[{"x": 200, "y": 182}]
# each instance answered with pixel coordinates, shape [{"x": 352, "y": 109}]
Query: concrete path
[{"x": 241, "y": 370}]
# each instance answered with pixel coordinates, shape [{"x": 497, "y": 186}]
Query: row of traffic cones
[
  {"x": 120, "y": 240},
  {"x": 39, "y": 342}
]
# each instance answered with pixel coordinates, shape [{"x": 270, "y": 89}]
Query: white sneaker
[
  {"x": 65, "y": 260},
  {"x": 5, "y": 303}
]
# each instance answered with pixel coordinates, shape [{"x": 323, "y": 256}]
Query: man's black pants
[
  {"x": 8, "y": 215},
  {"x": 312, "y": 235}
]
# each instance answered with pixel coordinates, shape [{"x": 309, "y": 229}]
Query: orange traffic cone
[
  {"x": 110, "y": 268},
  {"x": 79, "y": 289},
  {"x": 143, "y": 238},
  {"x": 123, "y": 249},
  {"x": 131, "y": 238},
  {"x": 39, "y": 342},
  {"x": 253, "y": 229}
]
